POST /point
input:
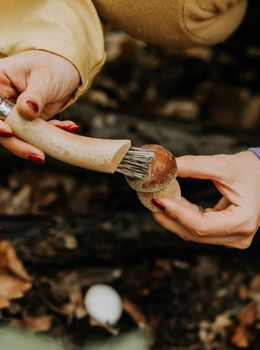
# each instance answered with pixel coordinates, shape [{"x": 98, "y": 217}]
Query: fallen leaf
[
  {"x": 76, "y": 299},
  {"x": 243, "y": 292},
  {"x": 9, "y": 261},
  {"x": 34, "y": 324},
  {"x": 209, "y": 331},
  {"x": 254, "y": 290},
  {"x": 255, "y": 284},
  {"x": 247, "y": 315},
  {"x": 14, "y": 280},
  {"x": 20, "y": 201},
  {"x": 241, "y": 337}
]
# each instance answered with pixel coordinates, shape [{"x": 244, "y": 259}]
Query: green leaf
[{"x": 12, "y": 339}]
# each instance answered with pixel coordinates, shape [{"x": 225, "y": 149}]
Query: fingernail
[
  {"x": 36, "y": 158},
  {"x": 5, "y": 133},
  {"x": 73, "y": 128},
  {"x": 69, "y": 128},
  {"x": 158, "y": 204},
  {"x": 33, "y": 106}
]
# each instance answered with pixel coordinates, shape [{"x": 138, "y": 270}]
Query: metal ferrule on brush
[{"x": 5, "y": 107}]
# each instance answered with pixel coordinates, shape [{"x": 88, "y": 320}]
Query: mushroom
[
  {"x": 160, "y": 180},
  {"x": 103, "y": 304}
]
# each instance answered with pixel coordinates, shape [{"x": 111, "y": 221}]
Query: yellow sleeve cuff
[{"x": 70, "y": 29}]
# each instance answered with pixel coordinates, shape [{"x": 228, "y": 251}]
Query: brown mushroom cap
[
  {"x": 162, "y": 169},
  {"x": 171, "y": 190}
]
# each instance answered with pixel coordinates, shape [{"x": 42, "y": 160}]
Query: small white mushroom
[{"x": 103, "y": 304}]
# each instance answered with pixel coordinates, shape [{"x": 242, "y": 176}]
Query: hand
[
  {"x": 40, "y": 83},
  {"x": 235, "y": 219}
]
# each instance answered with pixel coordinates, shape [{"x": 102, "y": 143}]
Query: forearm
[{"x": 256, "y": 151}]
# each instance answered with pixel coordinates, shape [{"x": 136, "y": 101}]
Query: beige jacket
[{"x": 72, "y": 28}]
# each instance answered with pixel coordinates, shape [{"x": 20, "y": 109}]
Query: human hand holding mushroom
[{"x": 235, "y": 219}]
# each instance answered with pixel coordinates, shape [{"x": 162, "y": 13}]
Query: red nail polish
[
  {"x": 36, "y": 158},
  {"x": 69, "y": 128},
  {"x": 5, "y": 133},
  {"x": 158, "y": 204},
  {"x": 73, "y": 128},
  {"x": 33, "y": 106}
]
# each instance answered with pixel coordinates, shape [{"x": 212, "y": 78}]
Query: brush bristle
[{"x": 136, "y": 162}]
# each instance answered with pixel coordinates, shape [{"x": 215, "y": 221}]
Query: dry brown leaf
[
  {"x": 76, "y": 299},
  {"x": 254, "y": 292},
  {"x": 241, "y": 337},
  {"x": 75, "y": 307},
  {"x": 255, "y": 284},
  {"x": 20, "y": 201},
  {"x": 209, "y": 331},
  {"x": 11, "y": 286},
  {"x": 9, "y": 261},
  {"x": 34, "y": 324},
  {"x": 243, "y": 292},
  {"x": 49, "y": 198},
  {"x": 14, "y": 280},
  {"x": 247, "y": 315}
]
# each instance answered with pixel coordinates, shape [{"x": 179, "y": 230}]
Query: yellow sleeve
[
  {"x": 175, "y": 24},
  {"x": 69, "y": 28}
]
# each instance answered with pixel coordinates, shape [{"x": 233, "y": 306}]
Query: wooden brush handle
[{"x": 85, "y": 152}]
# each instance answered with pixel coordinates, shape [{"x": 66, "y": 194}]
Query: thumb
[
  {"x": 202, "y": 167},
  {"x": 32, "y": 101}
]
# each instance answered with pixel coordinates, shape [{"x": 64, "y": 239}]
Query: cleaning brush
[
  {"x": 103, "y": 155},
  {"x": 136, "y": 162}
]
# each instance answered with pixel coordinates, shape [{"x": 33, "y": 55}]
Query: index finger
[{"x": 202, "y": 167}]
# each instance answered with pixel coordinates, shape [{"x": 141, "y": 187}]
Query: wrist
[
  {"x": 253, "y": 162},
  {"x": 58, "y": 63},
  {"x": 256, "y": 151},
  {"x": 249, "y": 160}
]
